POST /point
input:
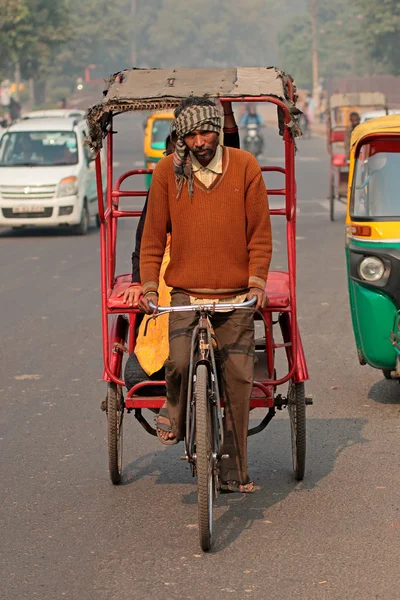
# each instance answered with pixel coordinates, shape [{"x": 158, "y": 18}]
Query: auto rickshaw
[
  {"x": 139, "y": 90},
  {"x": 340, "y": 106},
  {"x": 373, "y": 243},
  {"x": 157, "y": 128}
]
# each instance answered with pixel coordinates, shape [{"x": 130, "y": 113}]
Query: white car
[
  {"x": 47, "y": 175},
  {"x": 53, "y": 113},
  {"x": 378, "y": 113}
]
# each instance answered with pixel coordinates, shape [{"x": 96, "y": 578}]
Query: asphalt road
[{"x": 66, "y": 532}]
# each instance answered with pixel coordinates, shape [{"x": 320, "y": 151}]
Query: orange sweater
[{"x": 221, "y": 240}]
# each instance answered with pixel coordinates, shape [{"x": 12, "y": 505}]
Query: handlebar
[{"x": 198, "y": 307}]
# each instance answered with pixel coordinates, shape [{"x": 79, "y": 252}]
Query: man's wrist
[
  {"x": 150, "y": 286},
  {"x": 151, "y": 293}
]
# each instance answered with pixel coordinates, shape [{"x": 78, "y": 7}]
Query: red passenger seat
[{"x": 277, "y": 290}]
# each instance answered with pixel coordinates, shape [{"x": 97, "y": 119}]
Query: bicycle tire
[
  {"x": 332, "y": 201},
  {"x": 297, "y": 415},
  {"x": 115, "y": 415},
  {"x": 204, "y": 449}
]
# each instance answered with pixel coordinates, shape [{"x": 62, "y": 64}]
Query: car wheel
[{"x": 83, "y": 226}]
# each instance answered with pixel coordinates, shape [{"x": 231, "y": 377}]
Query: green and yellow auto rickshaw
[
  {"x": 373, "y": 243},
  {"x": 157, "y": 128}
]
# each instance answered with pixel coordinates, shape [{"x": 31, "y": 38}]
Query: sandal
[
  {"x": 164, "y": 426},
  {"x": 230, "y": 487}
]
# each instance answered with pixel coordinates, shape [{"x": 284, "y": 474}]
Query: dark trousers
[{"x": 235, "y": 337}]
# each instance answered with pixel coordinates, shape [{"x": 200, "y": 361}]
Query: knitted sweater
[{"x": 221, "y": 240}]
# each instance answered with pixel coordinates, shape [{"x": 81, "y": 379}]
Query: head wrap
[{"x": 204, "y": 118}]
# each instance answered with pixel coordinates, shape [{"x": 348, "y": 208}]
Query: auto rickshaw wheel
[
  {"x": 115, "y": 415},
  {"x": 387, "y": 373},
  {"x": 297, "y": 415}
]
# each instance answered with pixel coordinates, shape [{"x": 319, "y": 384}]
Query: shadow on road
[
  {"x": 269, "y": 465},
  {"x": 385, "y": 392}
]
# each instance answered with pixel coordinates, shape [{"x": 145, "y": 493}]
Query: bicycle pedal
[
  {"x": 225, "y": 456},
  {"x": 184, "y": 457},
  {"x": 309, "y": 400}
]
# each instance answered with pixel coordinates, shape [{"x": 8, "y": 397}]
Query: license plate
[{"x": 28, "y": 209}]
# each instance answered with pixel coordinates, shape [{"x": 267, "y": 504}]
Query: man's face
[
  {"x": 203, "y": 144},
  {"x": 355, "y": 120}
]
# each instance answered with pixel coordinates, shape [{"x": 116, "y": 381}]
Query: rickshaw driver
[
  {"x": 213, "y": 202},
  {"x": 132, "y": 295},
  {"x": 354, "y": 121}
]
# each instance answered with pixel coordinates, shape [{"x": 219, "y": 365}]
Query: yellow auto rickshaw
[
  {"x": 373, "y": 243},
  {"x": 157, "y": 129}
]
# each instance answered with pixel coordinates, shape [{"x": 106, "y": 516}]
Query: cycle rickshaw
[
  {"x": 340, "y": 106},
  {"x": 139, "y": 89}
]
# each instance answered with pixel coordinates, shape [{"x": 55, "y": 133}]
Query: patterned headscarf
[{"x": 205, "y": 118}]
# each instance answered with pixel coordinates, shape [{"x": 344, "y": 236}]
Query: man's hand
[
  {"x": 262, "y": 299},
  {"x": 145, "y": 300},
  {"x": 131, "y": 295}
]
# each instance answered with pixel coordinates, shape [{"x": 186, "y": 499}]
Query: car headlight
[
  {"x": 67, "y": 187},
  {"x": 371, "y": 268}
]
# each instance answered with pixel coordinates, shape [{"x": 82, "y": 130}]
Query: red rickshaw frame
[{"x": 119, "y": 335}]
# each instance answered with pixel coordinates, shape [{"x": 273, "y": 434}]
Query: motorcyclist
[{"x": 251, "y": 117}]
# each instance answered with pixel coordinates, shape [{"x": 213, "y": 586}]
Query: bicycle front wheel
[{"x": 204, "y": 457}]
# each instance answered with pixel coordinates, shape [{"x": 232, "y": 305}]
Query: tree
[
  {"x": 341, "y": 42},
  {"x": 31, "y": 32},
  {"x": 99, "y": 34},
  {"x": 381, "y": 27}
]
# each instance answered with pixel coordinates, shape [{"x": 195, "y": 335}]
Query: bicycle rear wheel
[
  {"x": 204, "y": 457},
  {"x": 297, "y": 414},
  {"x": 115, "y": 415}
]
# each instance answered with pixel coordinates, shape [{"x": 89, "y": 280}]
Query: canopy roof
[
  {"x": 387, "y": 124},
  {"x": 163, "y": 89},
  {"x": 361, "y": 99}
]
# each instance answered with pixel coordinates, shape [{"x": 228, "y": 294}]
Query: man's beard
[{"x": 205, "y": 152}]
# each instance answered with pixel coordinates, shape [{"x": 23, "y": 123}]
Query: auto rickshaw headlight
[{"x": 371, "y": 268}]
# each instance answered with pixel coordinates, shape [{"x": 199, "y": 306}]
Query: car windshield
[
  {"x": 38, "y": 148},
  {"x": 376, "y": 191},
  {"x": 159, "y": 133}
]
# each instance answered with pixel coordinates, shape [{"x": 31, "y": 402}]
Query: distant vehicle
[
  {"x": 54, "y": 113},
  {"x": 47, "y": 175},
  {"x": 378, "y": 113}
]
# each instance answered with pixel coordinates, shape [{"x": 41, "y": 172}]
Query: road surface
[{"x": 66, "y": 532}]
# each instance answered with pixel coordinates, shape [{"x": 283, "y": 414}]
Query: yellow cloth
[{"x": 152, "y": 350}]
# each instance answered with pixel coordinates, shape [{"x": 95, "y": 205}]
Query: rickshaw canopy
[
  {"x": 360, "y": 99},
  {"x": 387, "y": 124},
  {"x": 163, "y": 89}
]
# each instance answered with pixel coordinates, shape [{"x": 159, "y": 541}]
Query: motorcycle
[{"x": 253, "y": 141}]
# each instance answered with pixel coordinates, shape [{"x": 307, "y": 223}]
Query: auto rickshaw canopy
[
  {"x": 163, "y": 89},
  {"x": 387, "y": 124}
]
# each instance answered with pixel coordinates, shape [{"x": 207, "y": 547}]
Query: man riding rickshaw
[{"x": 208, "y": 223}]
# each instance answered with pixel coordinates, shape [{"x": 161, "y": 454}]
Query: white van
[{"x": 47, "y": 175}]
